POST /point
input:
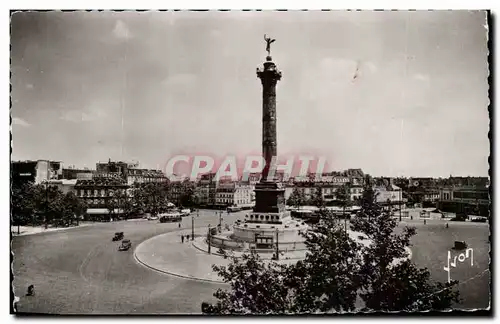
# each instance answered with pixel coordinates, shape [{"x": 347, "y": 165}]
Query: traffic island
[{"x": 166, "y": 253}]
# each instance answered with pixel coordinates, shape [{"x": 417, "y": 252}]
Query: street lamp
[
  {"x": 192, "y": 227},
  {"x": 277, "y": 246},
  {"x": 46, "y": 202},
  {"x": 208, "y": 238},
  {"x": 400, "y": 199}
]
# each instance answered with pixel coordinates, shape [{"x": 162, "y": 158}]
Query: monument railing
[{"x": 227, "y": 243}]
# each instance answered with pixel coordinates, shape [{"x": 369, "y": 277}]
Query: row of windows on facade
[
  {"x": 238, "y": 201},
  {"x": 96, "y": 201},
  {"x": 231, "y": 196},
  {"x": 326, "y": 196},
  {"x": 97, "y": 193},
  {"x": 329, "y": 190},
  {"x": 142, "y": 179}
]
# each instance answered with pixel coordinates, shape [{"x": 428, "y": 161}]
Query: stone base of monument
[
  {"x": 221, "y": 250},
  {"x": 262, "y": 232}
]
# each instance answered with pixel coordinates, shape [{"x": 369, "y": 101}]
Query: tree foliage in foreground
[
  {"x": 337, "y": 273},
  {"x": 257, "y": 287}
]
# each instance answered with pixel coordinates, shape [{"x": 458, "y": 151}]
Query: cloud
[
  {"x": 215, "y": 33},
  {"x": 20, "y": 122},
  {"x": 121, "y": 30},
  {"x": 76, "y": 116},
  {"x": 421, "y": 77},
  {"x": 371, "y": 67},
  {"x": 183, "y": 79}
]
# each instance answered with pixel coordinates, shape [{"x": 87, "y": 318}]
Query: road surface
[{"x": 81, "y": 271}]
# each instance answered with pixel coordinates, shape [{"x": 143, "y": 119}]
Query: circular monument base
[{"x": 167, "y": 254}]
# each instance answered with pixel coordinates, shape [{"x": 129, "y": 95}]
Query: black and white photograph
[{"x": 244, "y": 162}]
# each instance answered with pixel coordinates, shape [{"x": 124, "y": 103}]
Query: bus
[{"x": 170, "y": 217}]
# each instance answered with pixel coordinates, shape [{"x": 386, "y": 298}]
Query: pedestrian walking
[
  {"x": 182, "y": 238},
  {"x": 179, "y": 225},
  {"x": 31, "y": 290},
  {"x": 188, "y": 237}
]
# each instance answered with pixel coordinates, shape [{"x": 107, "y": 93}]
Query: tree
[
  {"x": 343, "y": 195},
  {"x": 368, "y": 203},
  {"x": 43, "y": 203},
  {"x": 317, "y": 199},
  {"x": 256, "y": 288},
  {"x": 117, "y": 201},
  {"x": 48, "y": 201},
  {"x": 389, "y": 282},
  {"x": 76, "y": 207},
  {"x": 189, "y": 197},
  {"x": 297, "y": 198},
  {"x": 22, "y": 204},
  {"x": 327, "y": 279},
  {"x": 335, "y": 272},
  {"x": 150, "y": 197}
]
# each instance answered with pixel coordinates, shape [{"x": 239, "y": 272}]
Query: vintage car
[
  {"x": 126, "y": 244},
  {"x": 118, "y": 236},
  {"x": 460, "y": 245}
]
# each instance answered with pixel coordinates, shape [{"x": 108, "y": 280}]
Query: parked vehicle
[
  {"x": 153, "y": 217},
  {"x": 233, "y": 209},
  {"x": 461, "y": 217},
  {"x": 460, "y": 245},
  {"x": 126, "y": 244},
  {"x": 118, "y": 236},
  {"x": 185, "y": 212}
]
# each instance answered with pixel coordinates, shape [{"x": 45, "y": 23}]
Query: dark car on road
[
  {"x": 118, "y": 236},
  {"x": 126, "y": 244},
  {"x": 460, "y": 217}
]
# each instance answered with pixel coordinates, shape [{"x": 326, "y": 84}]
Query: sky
[{"x": 392, "y": 93}]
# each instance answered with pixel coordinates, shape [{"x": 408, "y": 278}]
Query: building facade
[
  {"x": 467, "y": 199},
  {"x": 72, "y": 173},
  {"x": 64, "y": 185},
  {"x": 234, "y": 194},
  {"x": 145, "y": 176},
  {"x": 328, "y": 183},
  {"x": 35, "y": 172},
  {"x": 389, "y": 194},
  {"x": 98, "y": 191}
]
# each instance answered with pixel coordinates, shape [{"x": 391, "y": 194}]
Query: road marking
[{"x": 85, "y": 262}]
